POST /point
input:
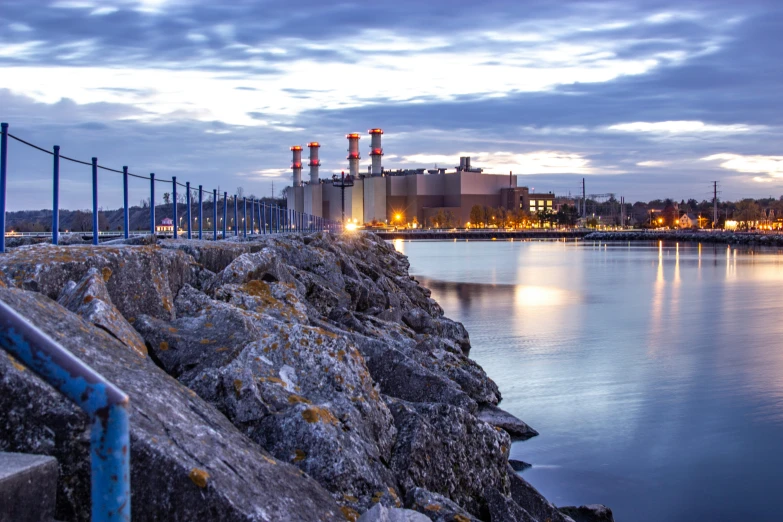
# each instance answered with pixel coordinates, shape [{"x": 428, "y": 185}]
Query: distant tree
[
  {"x": 145, "y": 203},
  {"x": 486, "y": 215},
  {"x": 451, "y": 219},
  {"x": 166, "y": 198},
  {"x": 240, "y": 192},
  {"x": 81, "y": 220},
  {"x": 545, "y": 216},
  {"x": 476, "y": 216}
]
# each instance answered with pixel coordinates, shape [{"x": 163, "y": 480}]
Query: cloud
[
  {"x": 537, "y": 162},
  {"x": 652, "y": 163},
  {"x": 755, "y": 164},
  {"x": 682, "y": 127}
]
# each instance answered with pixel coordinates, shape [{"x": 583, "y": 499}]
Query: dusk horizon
[{"x": 653, "y": 100}]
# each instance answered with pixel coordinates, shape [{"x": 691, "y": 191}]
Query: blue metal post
[
  {"x": 187, "y": 189},
  {"x": 262, "y": 216},
  {"x": 225, "y": 214},
  {"x": 56, "y": 196},
  {"x": 3, "y": 165},
  {"x": 152, "y": 203},
  {"x": 236, "y": 215},
  {"x": 244, "y": 217},
  {"x": 174, "y": 202},
  {"x": 104, "y": 403},
  {"x": 126, "y": 221},
  {"x": 95, "y": 229},
  {"x": 200, "y": 212},
  {"x": 214, "y": 214},
  {"x": 252, "y": 215}
]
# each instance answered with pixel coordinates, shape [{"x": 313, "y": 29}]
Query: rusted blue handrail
[{"x": 106, "y": 405}]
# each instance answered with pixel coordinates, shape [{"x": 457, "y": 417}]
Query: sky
[{"x": 642, "y": 99}]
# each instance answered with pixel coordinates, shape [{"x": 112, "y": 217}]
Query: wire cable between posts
[{"x": 193, "y": 190}]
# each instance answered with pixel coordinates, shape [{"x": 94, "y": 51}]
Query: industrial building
[{"x": 400, "y": 195}]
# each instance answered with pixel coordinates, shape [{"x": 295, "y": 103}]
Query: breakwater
[
  {"x": 720, "y": 237},
  {"x": 483, "y": 235},
  {"x": 299, "y": 377}
]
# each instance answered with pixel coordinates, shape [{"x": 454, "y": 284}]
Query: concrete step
[{"x": 28, "y": 487}]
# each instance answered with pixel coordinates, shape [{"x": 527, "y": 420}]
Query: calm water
[{"x": 654, "y": 373}]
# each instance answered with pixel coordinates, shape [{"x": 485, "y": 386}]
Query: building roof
[{"x": 166, "y": 221}]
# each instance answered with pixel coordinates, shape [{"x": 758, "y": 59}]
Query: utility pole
[
  {"x": 714, "y": 204},
  {"x": 584, "y": 200}
]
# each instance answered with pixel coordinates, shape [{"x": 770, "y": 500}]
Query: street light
[{"x": 342, "y": 183}]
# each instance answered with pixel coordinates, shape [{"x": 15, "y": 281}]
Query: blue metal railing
[
  {"x": 106, "y": 405},
  {"x": 271, "y": 218}
]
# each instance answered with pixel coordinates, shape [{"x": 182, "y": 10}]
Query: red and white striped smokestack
[
  {"x": 314, "y": 163},
  {"x": 376, "y": 151},
  {"x": 353, "y": 154},
  {"x": 296, "y": 165}
]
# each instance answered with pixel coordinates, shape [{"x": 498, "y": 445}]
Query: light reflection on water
[{"x": 654, "y": 372}]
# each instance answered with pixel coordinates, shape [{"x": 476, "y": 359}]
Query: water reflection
[{"x": 648, "y": 369}]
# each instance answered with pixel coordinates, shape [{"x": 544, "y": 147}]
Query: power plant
[{"x": 399, "y": 196}]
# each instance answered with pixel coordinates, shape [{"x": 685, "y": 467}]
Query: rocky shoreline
[
  {"x": 720, "y": 237},
  {"x": 301, "y": 378}
]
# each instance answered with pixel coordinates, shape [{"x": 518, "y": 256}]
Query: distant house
[
  {"x": 166, "y": 226},
  {"x": 689, "y": 221}
]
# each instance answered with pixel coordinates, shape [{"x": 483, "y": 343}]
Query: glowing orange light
[
  {"x": 375, "y": 131},
  {"x": 296, "y": 147},
  {"x": 313, "y": 144},
  {"x": 353, "y": 135}
]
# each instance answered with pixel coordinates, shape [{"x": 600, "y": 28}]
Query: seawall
[
  {"x": 720, "y": 237},
  {"x": 299, "y": 377}
]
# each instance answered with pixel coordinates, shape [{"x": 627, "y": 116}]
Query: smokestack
[
  {"x": 376, "y": 151},
  {"x": 462, "y": 163},
  {"x": 353, "y": 154},
  {"x": 467, "y": 162},
  {"x": 296, "y": 165},
  {"x": 314, "y": 163}
]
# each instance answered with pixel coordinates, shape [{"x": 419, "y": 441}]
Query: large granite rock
[
  {"x": 380, "y": 513},
  {"x": 90, "y": 299},
  {"x": 187, "y": 461},
  {"x": 503, "y": 509},
  {"x": 145, "y": 279},
  {"x": 502, "y": 419},
  {"x": 437, "y": 507},
  {"x": 446, "y": 450},
  {"x": 588, "y": 513}
]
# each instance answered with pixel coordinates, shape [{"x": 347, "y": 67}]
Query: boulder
[
  {"x": 264, "y": 265},
  {"x": 446, "y": 450},
  {"x": 519, "y": 465},
  {"x": 306, "y": 396},
  {"x": 503, "y": 509},
  {"x": 212, "y": 255},
  {"x": 188, "y": 462},
  {"x": 437, "y": 507},
  {"x": 380, "y": 513},
  {"x": 90, "y": 299},
  {"x": 144, "y": 279},
  {"x": 401, "y": 377},
  {"x": 529, "y": 499},
  {"x": 502, "y": 419},
  {"x": 589, "y": 513}
]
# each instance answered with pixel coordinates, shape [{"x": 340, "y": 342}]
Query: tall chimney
[
  {"x": 296, "y": 165},
  {"x": 353, "y": 154},
  {"x": 314, "y": 163},
  {"x": 376, "y": 151}
]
